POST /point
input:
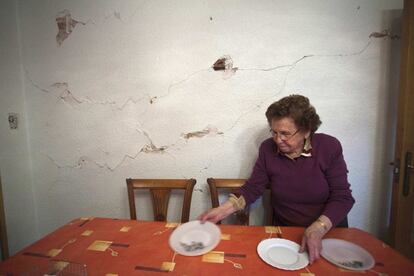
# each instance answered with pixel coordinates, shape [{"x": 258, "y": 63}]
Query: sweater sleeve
[
  {"x": 340, "y": 199},
  {"x": 258, "y": 180}
]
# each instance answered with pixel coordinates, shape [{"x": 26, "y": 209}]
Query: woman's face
[{"x": 288, "y": 137}]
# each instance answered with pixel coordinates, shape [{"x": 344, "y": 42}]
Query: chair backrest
[
  {"x": 231, "y": 185},
  {"x": 160, "y": 190}
]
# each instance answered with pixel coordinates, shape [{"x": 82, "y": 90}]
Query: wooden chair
[
  {"x": 231, "y": 185},
  {"x": 160, "y": 190}
]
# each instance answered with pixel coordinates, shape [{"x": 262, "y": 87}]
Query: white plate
[
  {"x": 282, "y": 253},
  {"x": 346, "y": 254},
  {"x": 195, "y": 238}
]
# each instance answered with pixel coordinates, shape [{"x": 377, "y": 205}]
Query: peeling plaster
[
  {"x": 208, "y": 131},
  {"x": 83, "y": 160},
  {"x": 69, "y": 98},
  {"x": 384, "y": 33},
  {"x": 152, "y": 100},
  {"x": 65, "y": 25},
  {"x": 150, "y": 147},
  {"x": 225, "y": 64}
]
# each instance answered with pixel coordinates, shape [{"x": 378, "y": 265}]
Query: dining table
[{"x": 108, "y": 246}]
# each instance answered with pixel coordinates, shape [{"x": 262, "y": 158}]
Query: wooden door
[
  {"x": 3, "y": 232},
  {"x": 402, "y": 208}
]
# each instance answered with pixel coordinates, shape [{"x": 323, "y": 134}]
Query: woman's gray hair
[{"x": 298, "y": 108}]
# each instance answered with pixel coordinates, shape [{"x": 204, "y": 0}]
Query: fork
[{"x": 278, "y": 232}]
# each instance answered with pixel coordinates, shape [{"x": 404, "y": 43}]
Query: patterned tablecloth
[{"x": 103, "y": 246}]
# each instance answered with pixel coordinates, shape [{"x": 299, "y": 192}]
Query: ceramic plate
[
  {"x": 282, "y": 253},
  {"x": 195, "y": 238},
  {"x": 346, "y": 254}
]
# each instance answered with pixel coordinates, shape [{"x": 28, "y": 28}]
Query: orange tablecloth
[{"x": 126, "y": 247}]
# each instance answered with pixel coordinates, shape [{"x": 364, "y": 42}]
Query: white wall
[
  {"x": 15, "y": 168},
  {"x": 134, "y": 77}
]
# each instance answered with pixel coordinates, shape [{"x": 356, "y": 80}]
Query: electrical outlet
[{"x": 13, "y": 119}]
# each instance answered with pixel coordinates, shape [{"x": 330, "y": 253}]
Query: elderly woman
[{"x": 305, "y": 170}]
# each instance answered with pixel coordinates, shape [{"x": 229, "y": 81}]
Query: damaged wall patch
[
  {"x": 65, "y": 25},
  {"x": 225, "y": 64}
]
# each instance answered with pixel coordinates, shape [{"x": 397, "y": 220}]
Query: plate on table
[
  {"x": 282, "y": 253},
  {"x": 346, "y": 254},
  {"x": 195, "y": 238}
]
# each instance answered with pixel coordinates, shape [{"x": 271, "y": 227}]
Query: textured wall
[
  {"x": 15, "y": 170},
  {"x": 128, "y": 89}
]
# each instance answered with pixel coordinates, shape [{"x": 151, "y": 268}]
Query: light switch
[{"x": 13, "y": 119}]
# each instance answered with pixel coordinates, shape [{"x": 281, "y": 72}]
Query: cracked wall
[{"x": 146, "y": 89}]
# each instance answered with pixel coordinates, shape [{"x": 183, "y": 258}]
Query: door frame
[{"x": 402, "y": 204}]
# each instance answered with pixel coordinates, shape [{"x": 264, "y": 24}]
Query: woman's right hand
[{"x": 216, "y": 214}]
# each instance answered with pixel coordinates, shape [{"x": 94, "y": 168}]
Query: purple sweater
[{"x": 303, "y": 188}]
